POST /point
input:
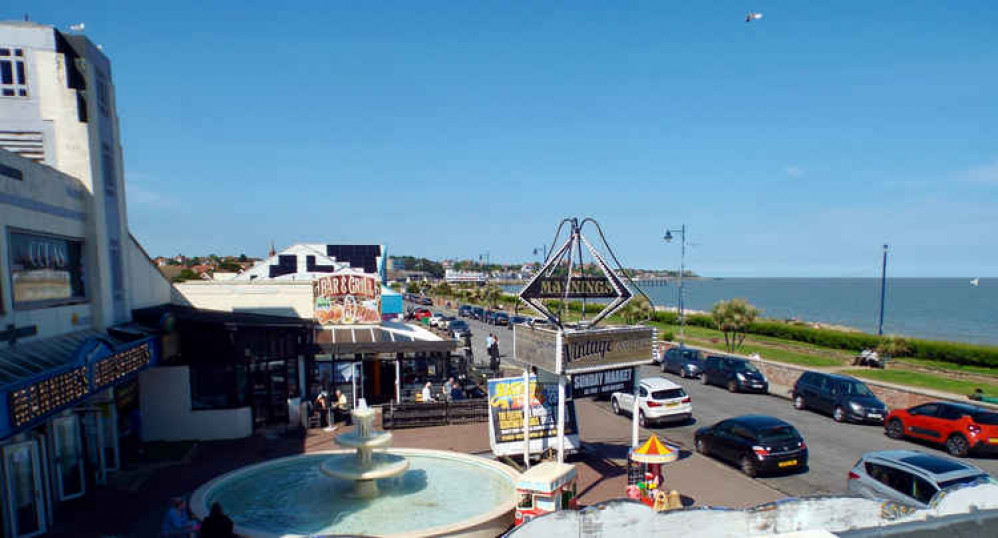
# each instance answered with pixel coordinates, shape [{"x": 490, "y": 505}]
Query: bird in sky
[{"x": 753, "y": 16}]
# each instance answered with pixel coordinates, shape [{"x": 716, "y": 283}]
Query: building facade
[{"x": 71, "y": 274}]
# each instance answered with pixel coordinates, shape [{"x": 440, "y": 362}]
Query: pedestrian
[
  {"x": 495, "y": 350},
  {"x": 177, "y": 523},
  {"x": 217, "y": 524},
  {"x": 428, "y": 393}
]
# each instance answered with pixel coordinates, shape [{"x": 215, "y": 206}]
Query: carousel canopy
[{"x": 654, "y": 451}]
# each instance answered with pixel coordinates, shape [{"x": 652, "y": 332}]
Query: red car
[
  {"x": 420, "y": 313},
  {"x": 961, "y": 428}
]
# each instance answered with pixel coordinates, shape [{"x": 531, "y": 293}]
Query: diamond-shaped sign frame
[{"x": 572, "y": 243}]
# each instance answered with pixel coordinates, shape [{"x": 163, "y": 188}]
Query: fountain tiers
[{"x": 365, "y": 466}]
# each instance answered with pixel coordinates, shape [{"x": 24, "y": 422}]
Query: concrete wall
[
  {"x": 48, "y": 202},
  {"x": 165, "y": 394},
  {"x": 148, "y": 287},
  {"x": 291, "y": 299}
]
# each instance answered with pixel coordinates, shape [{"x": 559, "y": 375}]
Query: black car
[
  {"x": 465, "y": 311},
  {"x": 734, "y": 373},
  {"x": 500, "y": 318},
  {"x": 459, "y": 328},
  {"x": 478, "y": 313},
  {"x": 844, "y": 397},
  {"x": 755, "y": 443},
  {"x": 683, "y": 361},
  {"x": 518, "y": 319}
]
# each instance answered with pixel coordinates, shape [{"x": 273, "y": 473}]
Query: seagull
[{"x": 753, "y": 16}]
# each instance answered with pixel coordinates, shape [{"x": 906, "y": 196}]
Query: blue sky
[{"x": 792, "y": 146}]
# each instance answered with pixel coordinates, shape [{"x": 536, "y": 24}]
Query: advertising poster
[
  {"x": 506, "y": 417},
  {"x": 347, "y": 299}
]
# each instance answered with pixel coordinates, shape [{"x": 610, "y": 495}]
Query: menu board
[
  {"x": 43, "y": 397},
  {"x": 111, "y": 369}
]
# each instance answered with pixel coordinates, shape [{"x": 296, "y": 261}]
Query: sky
[{"x": 794, "y": 145}]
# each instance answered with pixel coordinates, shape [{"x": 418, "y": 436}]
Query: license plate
[
  {"x": 875, "y": 415},
  {"x": 672, "y": 405},
  {"x": 787, "y": 463},
  {"x": 993, "y": 440}
]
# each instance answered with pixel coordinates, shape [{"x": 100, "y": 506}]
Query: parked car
[
  {"x": 517, "y": 320},
  {"x": 419, "y": 313},
  {"x": 500, "y": 318},
  {"x": 961, "y": 428},
  {"x": 734, "y": 373},
  {"x": 425, "y": 301},
  {"x": 465, "y": 311},
  {"x": 443, "y": 322},
  {"x": 435, "y": 318},
  {"x": 684, "y": 362},
  {"x": 459, "y": 328},
  {"x": 844, "y": 397},
  {"x": 658, "y": 400},
  {"x": 478, "y": 313},
  {"x": 756, "y": 443},
  {"x": 490, "y": 317},
  {"x": 910, "y": 476}
]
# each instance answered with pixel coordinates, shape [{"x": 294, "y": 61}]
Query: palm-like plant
[
  {"x": 491, "y": 294},
  {"x": 893, "y": 346},
  {"x": 637, "y": 310},
  {"x": 733, "y": 318}
]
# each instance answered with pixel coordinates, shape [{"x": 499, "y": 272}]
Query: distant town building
[{"x": 464, "y": 277}]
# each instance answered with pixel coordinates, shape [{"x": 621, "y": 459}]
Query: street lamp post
[{"x": 682, "y": 269}]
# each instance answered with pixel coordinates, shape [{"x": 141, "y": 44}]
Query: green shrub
[{"x": 667, "y": 336}]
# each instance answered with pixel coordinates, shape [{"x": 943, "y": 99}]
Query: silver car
[{"x": 909, "y": 476}]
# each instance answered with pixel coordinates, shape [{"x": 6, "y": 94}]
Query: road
[{"x": 833, "y": 447}]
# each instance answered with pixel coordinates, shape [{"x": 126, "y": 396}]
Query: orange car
[{"x": 961, "y": 428}]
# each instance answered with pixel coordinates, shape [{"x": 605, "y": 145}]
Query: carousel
[{"x": 645, "y": 477}]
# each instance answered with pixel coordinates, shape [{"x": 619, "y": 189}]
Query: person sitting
[
  {"x": 428, "y": 393},
  {"x": 977, "y": 396},
  {"x": 341, "y": 410},
  {"x": 177, "y": 522},
  {"x": 217, "y": 524},
  {"x": 456, "y": 393}
]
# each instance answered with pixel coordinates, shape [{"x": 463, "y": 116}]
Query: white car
[
  {"x": 659, "y": 400},
  {"x": 436, "y": 318}
]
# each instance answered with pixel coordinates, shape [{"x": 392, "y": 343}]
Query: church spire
[{"x": 273, "y": 251}]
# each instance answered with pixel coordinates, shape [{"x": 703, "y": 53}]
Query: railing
[{"x": 417, "y": 415}]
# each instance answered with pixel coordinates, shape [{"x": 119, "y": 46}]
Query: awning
[
  {"x": 385, "y": 338},
  {"x": 42, "y": 377},
  {"x": 654, "y": 451}
]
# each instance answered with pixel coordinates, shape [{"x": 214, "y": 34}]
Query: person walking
[
  {"x": 495, "y": 352},
  {"x": 217, "y": 524}
]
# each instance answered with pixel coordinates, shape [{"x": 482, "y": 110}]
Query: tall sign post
[{"x": 581, "y": 348}]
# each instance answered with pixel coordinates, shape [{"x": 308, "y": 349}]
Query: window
[
  {"x": 102, "y": 94},
  {"x": 743, "y": 433},
  {"x": 668, "y": 394},
  {"x": 947, "y": 412},
  {"x": 642, "y": 392},
  {"x": 895, "y": 479},
  {"x": 526, "y": 501},
  {"x": 13, "y": 80},
  {"x": 45, "y": 270},
  {"x": 922, "y": 490},
  {"x": 778, "y": 434},
  {"x": 927, "y": 410},
  {"x": 218, "y": 386},
  {"x": 107, "y": 163}
]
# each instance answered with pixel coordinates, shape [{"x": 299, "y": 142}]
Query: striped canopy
[{"x": 654, "y": 451}]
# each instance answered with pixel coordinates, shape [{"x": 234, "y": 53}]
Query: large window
[
  {"x": 45, "y": 270},
  {"x": 13, "y": 78},
  {"x": 218, "y": 386}
]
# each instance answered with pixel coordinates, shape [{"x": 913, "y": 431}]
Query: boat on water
[{"x": 975, "y": 282}]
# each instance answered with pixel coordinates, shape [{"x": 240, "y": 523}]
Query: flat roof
[{"x": 384, "y": 338}]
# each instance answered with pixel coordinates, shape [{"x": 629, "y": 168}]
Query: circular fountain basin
[{"x": 441, "y": 493}]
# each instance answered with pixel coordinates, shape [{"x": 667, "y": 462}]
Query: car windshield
[
  {"x": 965, "y": 480},
  {"x": 776, "y": 434},
  {"x": 668, "y": 394},
  {"x": 857, "y": 389},
  {"x": 743, "y": 366}
]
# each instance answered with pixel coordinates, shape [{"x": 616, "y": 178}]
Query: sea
[{"x": 931, "y": 308}]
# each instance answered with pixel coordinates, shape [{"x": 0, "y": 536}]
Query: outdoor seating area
[{"x": 417, "y": 415}]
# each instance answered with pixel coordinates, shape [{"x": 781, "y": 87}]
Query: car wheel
[
  {"x": 702, "y": 447},
  {"x": 732, "y": 386},
  {"x": 748, "y": 466},
  {"x": 894, "y": 429},
  {"x": 957, "y": 445},
  {"x": 799, "y": 402},
  {"x": 642, "y": 421},
  {"x": 615, "y": 406},
  {"x": 839, "y": 414},
  {"x": 703, "y": 379}
]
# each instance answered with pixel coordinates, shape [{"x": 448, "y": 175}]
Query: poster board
[{"x": 506, "y": 417}]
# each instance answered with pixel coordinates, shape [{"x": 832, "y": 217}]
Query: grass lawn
[
  {"x": 929, "y": 381},
  {"x": 941, "y": 365},
  {"x": 704, "y": 337}
]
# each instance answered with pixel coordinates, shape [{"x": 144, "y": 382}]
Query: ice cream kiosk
[{"x": 545, "y": 488}]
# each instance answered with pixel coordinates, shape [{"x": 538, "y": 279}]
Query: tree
[
  {"x": 444, "y": 289},
  {"x": 185, "y": 274},
  {"x": 637, "y": 310},
  {"x": 242, "y": 257},
  {"x": 491, "y": 294},
  {"x": 893, "y": 346},
  {"x": 733, "y": 318}
]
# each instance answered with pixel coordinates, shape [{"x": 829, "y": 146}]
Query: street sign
[{"x": 585, "y": 350}]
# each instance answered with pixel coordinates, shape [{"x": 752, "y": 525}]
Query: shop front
[{"x": 59, "y": 420}]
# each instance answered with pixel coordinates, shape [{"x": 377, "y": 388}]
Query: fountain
[
  {"x": 366, "y": 489},
  {"x": 366, "y": 467}
]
